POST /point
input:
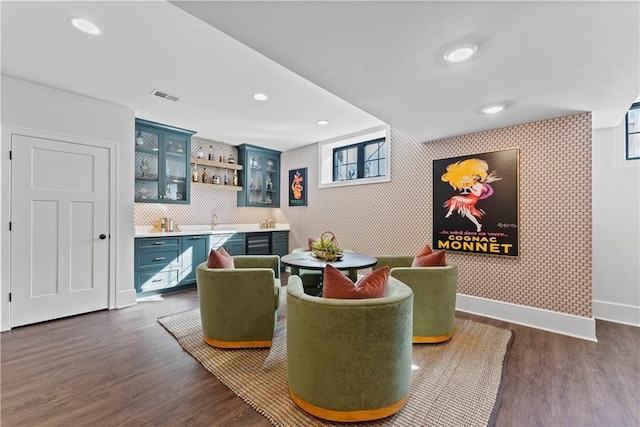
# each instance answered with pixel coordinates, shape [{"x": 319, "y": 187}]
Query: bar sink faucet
[{"x": 214, "y": 221}]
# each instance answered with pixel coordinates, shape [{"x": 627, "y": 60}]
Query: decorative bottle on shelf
[
  {"x": 144, "y": 168},
  {"x": 204, "y": 174},
  {"x": 226, "y": 179},
  {"x": 194, "y": 173},
  {"x": 211, "y": 152},
  {"x": 235, "y": 178}
]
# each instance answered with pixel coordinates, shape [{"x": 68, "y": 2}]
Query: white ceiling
[{"x": 543, "y": 59}]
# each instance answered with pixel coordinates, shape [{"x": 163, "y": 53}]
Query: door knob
[{"x": 102, "y": 236}]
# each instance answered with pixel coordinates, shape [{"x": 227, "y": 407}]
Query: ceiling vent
[{"x": 165, "y": 95}]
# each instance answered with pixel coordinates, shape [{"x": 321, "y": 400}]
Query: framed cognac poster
[{"x": 475, "y": 203}]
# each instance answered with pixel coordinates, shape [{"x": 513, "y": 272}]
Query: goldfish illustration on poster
[{"x": 298, "y": 187}]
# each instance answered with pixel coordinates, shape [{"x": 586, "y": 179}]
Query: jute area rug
[{"x": 456, "y": 383}]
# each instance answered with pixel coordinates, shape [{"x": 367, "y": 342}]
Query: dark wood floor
[{"x": 121, "y": 368}]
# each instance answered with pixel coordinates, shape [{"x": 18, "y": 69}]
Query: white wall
[
  {"x": 616, "y": 229},
  {"x": 34, "y": 107}
]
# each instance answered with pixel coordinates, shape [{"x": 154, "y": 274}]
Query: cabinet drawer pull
[
  {"x": 196, "y": 237},
  {"x": 157, "y": 280},
  {"x": 158, "y": 243},
  {"x": 159, "y": 258}
]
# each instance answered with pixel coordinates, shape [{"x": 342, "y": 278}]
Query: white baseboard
[
  {"x": 546, "y": 320},
  {"x": 618, "y": 313}
]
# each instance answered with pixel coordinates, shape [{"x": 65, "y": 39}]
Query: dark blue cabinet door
[
  {"x": 162, "y": 163},
  {"x": 235, "y": 246},
  {"x": 195, "y": 250},
  {"x": 280, "y": 243},
  {"x": 232, "y": 243},
  {"x": 260, "y": 177}
]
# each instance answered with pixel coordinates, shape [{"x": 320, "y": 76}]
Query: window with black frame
[
  {"x": 633, "y": 132},
  {"x": 362, "y": 160}
]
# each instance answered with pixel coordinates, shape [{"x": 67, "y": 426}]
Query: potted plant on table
[{"x": 327, "y": 248}]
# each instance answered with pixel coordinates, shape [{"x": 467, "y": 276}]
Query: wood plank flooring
[{"x": 121, "y": 368}]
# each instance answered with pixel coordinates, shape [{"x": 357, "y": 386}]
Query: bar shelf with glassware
[
  {"x": 213, "y": 164},
  {"x": 214, "y": 180}
]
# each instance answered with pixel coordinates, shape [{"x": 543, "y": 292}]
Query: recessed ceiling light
[
  {"x": 460, "y": 52},
  {"x": 86, "y": 26},
  {"x": 260, "y": 96},
  {"x": 494, "y": 108},
  {"x": 323, "y": 122}
]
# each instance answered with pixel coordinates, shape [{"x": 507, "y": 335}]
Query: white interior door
[{"x": 59, "y": 210}]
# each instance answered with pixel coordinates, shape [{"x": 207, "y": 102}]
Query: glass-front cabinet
[
  {"x": 162, "y": 163},
  {"x": 260, "y": 179}
]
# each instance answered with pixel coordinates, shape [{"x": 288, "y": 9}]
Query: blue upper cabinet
[
  {"x": 162, "y": 163},
  {"x": 260, "y": 178}
]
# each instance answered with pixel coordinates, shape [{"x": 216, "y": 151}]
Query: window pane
[
  {"x": 371, "y": 151},
  {"x": 338, "y": 157},
  {"x": 382, "y": 165},
  {"x": 633, "y": 149},
  {"x": 352, "y": 172},
  {"x": 341, "y": 173},
  {"x": 381, "y": 150},
  {"x": 352, "y": 155},
  {"x": 371, "y": 169},
  {"x": 633, "y": 120}
]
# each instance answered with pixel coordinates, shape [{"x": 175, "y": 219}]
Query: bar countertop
[{"x": 190, "y": 230}]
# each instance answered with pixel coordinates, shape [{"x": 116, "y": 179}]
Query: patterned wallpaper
[{"x": 553, "y": 270}]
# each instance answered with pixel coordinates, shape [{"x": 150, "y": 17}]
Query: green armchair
[
  {"x": 239, "y": 307},
  {"x": 434, "y": 290},
  {"x": 311, "y": 278},
  {"x": 349, "y": 359}
]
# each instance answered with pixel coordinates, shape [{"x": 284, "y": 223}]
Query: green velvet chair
[
  {"x": 311, "y": 278},
  {"x": 239, "y": 307},
  {"x": 434, "y": 301},
  {"x": 349, "y": 360}
]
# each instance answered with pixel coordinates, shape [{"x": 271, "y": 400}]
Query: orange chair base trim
[
  {"x": 237, "y": 344},
  {"x": 432, "y": 338},
  {"x": 348, "y": 416}
]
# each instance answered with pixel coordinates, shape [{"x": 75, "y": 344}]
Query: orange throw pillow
[
  {"x": 425, "y": 251},
  {"x": 427, "y": 258},
  {"x": 220, "y": 259},
  {"x": 337, "y": 285}
]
